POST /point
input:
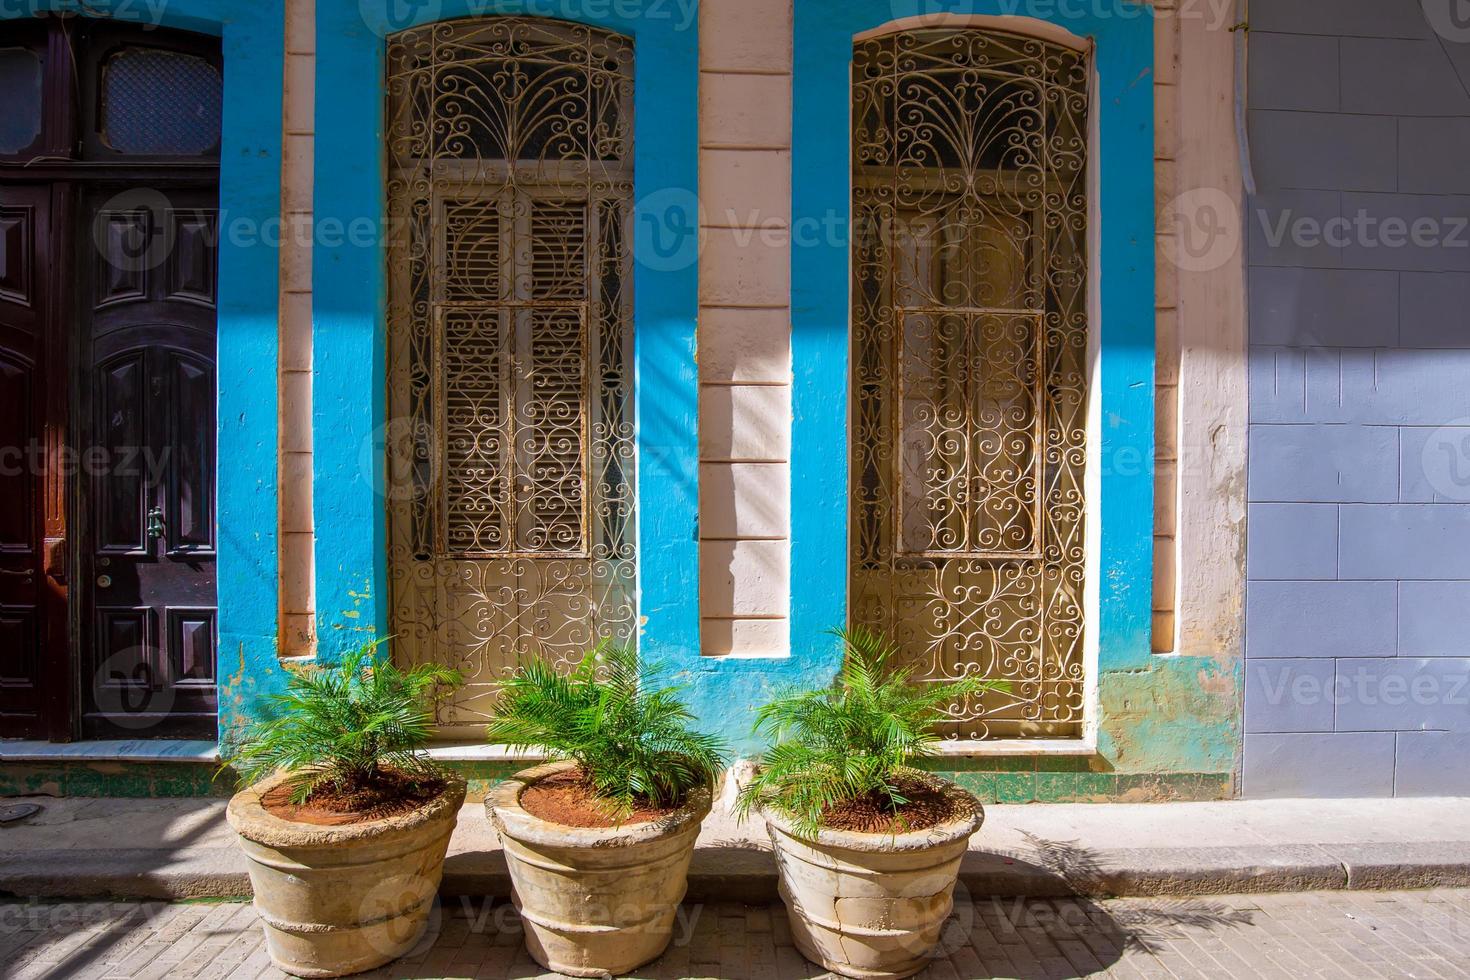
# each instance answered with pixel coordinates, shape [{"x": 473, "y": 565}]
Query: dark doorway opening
[{"x": 109, "y": 232}]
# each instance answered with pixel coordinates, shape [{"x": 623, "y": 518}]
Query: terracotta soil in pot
[
  {"x": 929, "y": 805},
  {"x": 392, "y": 794},
  {"x": 567, "y": 798}
]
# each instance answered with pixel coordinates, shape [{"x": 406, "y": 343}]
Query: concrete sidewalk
[{"x": 182, "y": 848}]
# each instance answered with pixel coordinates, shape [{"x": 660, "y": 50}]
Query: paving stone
[{"x": 1337, "y": 934}]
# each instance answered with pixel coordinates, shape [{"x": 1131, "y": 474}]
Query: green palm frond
[
  {"x": 343, "y": 723},
  {"x": 859, "y": 737},
  {"x": 630, "y": 737}
]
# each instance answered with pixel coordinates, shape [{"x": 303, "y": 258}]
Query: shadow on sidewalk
[
  {"x": 1069, "y": 932},
  {"x": 1064, "y": 929}
]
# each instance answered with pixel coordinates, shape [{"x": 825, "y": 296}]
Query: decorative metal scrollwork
[
  {"x": 969, "y": 361},
  {"x": 510, "y": 451}
]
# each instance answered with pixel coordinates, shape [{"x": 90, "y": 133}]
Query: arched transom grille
[
  {"x": 969, "y": 366},
  {"x": 511, "y": 443}
]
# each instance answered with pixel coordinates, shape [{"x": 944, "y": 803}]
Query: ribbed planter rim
[
  {"x": 503, "y": 806},
  {"x": 956, "y": 828},
  {"x": 250, "y": 819}
]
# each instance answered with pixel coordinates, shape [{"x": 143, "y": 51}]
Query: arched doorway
[
  {"x": 969, "y": 366},
  {"x": 511, "y": 479}
]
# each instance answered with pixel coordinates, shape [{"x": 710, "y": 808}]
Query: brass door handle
[
  {"x": 155, "y": 523},
  {"x": 28, "y": 573}
]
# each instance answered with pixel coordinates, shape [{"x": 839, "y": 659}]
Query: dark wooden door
[
  {"x": 25, "y": 242},
  {"x": 147, "y": 413},
  {"x": 110, "y": 138}
]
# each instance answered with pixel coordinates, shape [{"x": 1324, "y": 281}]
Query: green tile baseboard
[
  {"x": 1011, "y": 785},
  {"x": 146, "y": 780},
  {"x": 1008, "y": 783}
]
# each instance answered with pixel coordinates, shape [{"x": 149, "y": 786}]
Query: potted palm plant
[
  {"x": 345, "y": 822},
  {"x": 868, "y": 847},
  {"x": 598, "y": 842}
]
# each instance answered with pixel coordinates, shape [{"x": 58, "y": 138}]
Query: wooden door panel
[
  {"x": 121, "y": 499},
  {"x": 189, "y": 454},
  {"x": 108, "y": 282},
  {"x": 20, "y": 648},
  {"x": 190, "y": 647},
  {"x": 192, "y": 266},
  {"x": 122, "y": 239},
  {"x": 24, "y": 237},
  {"x": 125, "y": 674},
  {"x": 17, "y": 254},
  {"x": 150, "y": 338},
  {"x": 17, "y": 430}
]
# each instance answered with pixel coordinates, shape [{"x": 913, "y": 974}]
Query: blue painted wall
[
  {"x": 1153, "y": 714},
  {"x": 350, "y": 328},
  {"x": 1358, "y": 601},
  {"x": 820, "y": 295},
  {"x": 1157, "y": 714},
  {"x": 350, "y": 333}
]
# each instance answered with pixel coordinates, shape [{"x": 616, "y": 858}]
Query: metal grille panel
[
  {"x": 162, "y": 102},
  {"x": 511, "y": 447},
  {"x": 969, "y": 366}
]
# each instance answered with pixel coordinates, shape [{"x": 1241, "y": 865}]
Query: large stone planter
[
  {"x": 339, "y": 900},
  {"x": 870, "y": 905},
  {"x": 594, "y": 901}
]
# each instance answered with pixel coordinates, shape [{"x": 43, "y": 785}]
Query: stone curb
[{"x": 741, "y": 873}]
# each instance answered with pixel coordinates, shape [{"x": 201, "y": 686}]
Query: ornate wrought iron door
[
  {"x": 970, "y": 366},
  {"x": 511, "y": 443}
]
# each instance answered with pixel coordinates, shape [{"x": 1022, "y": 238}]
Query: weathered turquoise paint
[
  {"x": 252, "y": 36},
  {"x": 350, "y": 301}
]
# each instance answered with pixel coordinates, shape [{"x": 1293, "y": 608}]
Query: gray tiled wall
[{"x": 1358, "y": 563}]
